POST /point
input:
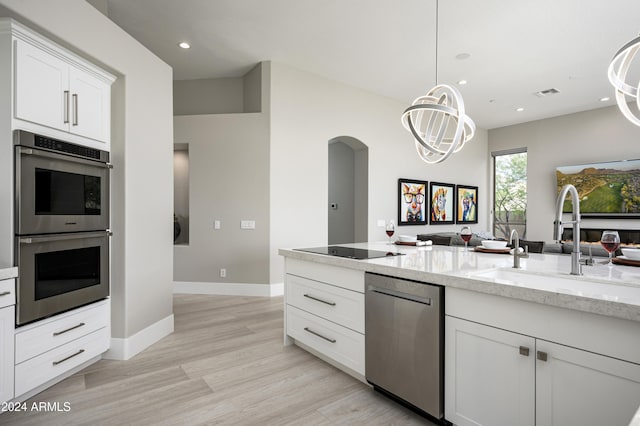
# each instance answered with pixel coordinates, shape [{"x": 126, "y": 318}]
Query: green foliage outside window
[{"x": 510, "y": 197}]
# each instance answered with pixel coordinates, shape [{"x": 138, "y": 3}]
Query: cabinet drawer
[
  {"x": 38, "y": 338},
  {"x": 334, "y": 341},
  {"x": 7, "y": 292},
  {"x": 334, "y": 275},
  {"x": 336, "y": 304},
  {"x": 49, "y": 365}
]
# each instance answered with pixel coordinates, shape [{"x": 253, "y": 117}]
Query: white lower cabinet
[
  {"x": 324, "y": 312},
  {"x": 489, "y": 380},
  {"x": 576, "y": 387},
  {"x": 499, "y": 377},
  {"x": 7, "y": 325},
  {"x": 51, "y": 364},
  {"x": 339, "y": 343},
  {"x": 50, "y": 348}
]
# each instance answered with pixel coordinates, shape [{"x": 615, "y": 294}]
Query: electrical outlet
[
  {"x": 381, "y": 223},
  {"x": 223, "y": 273},
  {"x": 216, "y": 224}
]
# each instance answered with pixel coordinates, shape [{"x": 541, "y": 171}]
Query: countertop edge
[
  {"x": 8, "y": 273},
  {"x": 614, "y": 309}
]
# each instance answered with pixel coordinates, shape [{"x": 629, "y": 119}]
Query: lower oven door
[{"x": 60, "y": 272}]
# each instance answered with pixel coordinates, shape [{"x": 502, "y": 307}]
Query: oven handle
[
  {"x": 65, "y": 157},
  {"x": 61, "y": 237}
]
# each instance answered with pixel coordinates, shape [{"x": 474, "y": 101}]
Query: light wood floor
[{"x": 224, "y": 364}]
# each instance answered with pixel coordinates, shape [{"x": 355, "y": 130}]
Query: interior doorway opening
[{"x": 348, "y": 201}]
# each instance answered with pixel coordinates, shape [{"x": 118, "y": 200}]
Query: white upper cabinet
[
  {"x": 90, "y": 106},
  {"x": 41, "y": 87},
  {"x": 60, "y": 94}
]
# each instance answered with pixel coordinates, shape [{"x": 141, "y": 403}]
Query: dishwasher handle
[{"x": 401, "y": 295}]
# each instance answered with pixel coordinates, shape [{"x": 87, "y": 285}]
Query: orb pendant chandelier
[
  {"x": 618, "y": 70},
  {"x": 438, "y": 121}
]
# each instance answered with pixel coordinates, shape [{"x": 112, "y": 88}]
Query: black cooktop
[{"x": 351, "y": 253}]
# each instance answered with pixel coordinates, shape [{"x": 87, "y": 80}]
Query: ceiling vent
[{"x": 548, "y": 92}]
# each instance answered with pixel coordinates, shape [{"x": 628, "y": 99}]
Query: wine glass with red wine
[
  {"x": 610, "y": 240},
  {"x": 466, "y": 234},
  {"x": 390, "y": 230}
]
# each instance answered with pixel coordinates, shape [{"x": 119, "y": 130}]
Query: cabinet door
[
  {"x": 90, "y": 105},
  {"x": 489, "y": 378},
  {"x": 7, "y": 322},
  {"x": 575, "y": 387},
  {"x": 41, "y": 87}
]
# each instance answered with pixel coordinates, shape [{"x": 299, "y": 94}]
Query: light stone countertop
[
  {"x": 543, "y": 278},
  {"x": 8, "y": 273}
]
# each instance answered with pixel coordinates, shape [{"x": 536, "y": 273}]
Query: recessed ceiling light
[
  {"x": 184, "y": 45},
  {"x": 605, "y": 99},
  {"x": 519, "y": 109},
  {"x": 462, "y": 82}
]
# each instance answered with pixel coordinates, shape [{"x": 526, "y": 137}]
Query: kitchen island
[{"x": 534, "y": 345}]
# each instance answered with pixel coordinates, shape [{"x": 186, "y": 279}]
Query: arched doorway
[{"x": 348, "y": 190}]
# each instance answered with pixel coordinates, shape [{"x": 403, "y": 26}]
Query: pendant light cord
[{"x": 437, "y": 22}]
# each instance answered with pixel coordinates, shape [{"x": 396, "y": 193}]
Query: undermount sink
[{"x": 578, "y": 285}]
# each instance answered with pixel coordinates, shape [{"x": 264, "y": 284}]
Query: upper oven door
[{"x": 58, "y": 193}]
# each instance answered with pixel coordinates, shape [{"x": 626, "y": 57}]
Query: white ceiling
[{"x": 517, "y": 47}]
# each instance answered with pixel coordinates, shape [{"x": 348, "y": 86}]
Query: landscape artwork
[
  {"x": 412, "y": 206},
  {"x": 611, "y": 188}
]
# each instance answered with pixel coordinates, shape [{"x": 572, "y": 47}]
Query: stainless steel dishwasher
[{"x": 404, "y": 340}]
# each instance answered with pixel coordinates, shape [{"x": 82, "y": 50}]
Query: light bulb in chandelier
[
  {"x": 438, "y": 123},
  {"x": 618, "y": 70}
]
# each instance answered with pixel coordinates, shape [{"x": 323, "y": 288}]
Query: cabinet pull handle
[
  {"x": 315, "y": 333},
  {"x": 5, "y": 293},
  {"x": 542, "y": 356},
  {"x": 68, "y": 358},
  {"x": 524, "y": 351},
  {"x": 66, "y": 107},
  {"x": 320, "y": 300},
  {"x": 75, "y": 109},
  {"x": 57, "y": 333}
]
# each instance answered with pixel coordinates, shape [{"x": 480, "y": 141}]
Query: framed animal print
[
  {"x": 442, "y": 203},
  {"x": 466, "y": 204},
  {"x": 412, "y": 202}
]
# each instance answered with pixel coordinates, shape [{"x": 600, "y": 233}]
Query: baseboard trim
[
  {"x": 229, "y": 289},
  {"x": 124, "y": 349}
]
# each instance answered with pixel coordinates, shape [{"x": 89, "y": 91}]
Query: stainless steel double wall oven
[{"x": 61, "y": 225}]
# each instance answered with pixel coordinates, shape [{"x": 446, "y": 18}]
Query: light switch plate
[
  {"x": 247, "y": 224},
  {"x": 216, "y": 224}
]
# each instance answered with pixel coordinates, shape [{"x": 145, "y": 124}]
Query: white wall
[
  {"x": 208, "y": 96},
  {"x": 229, "y": 182},
  {"x": 142, "y": 153},
  {"x": 307, "y": 111},
  {"x": 586, "y": 137}
]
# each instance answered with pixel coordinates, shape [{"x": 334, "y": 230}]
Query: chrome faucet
[
  {"x": 576, "y": 261},
  {"x": 516, "y": 248}
]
